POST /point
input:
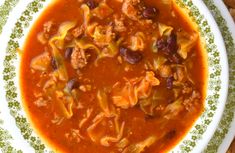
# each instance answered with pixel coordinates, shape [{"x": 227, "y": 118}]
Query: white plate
[{"x": 16, "y": 133}]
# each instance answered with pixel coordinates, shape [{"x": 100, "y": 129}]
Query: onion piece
[
  {"x": 41, "y": 62},
  {"x": 140, "y": 147},
  {"x": 106, "y": 140}
]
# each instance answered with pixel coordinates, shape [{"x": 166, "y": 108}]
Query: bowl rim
[{"x": 225, "y": 68}]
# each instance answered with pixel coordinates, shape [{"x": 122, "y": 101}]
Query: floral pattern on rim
[
  {"x": 5, "y": 10},
  {"x": 15, "y": 107},
  {"x": 9, "y": 75},
  {"x": 228, "y": 114},
  {"x": 5, "y": 136},
  {"x": 214, "y": 83},
  {"x": 5, "y": 144}
]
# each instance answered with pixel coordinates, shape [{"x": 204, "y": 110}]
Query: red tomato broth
[{"x": 106, "y": 74}]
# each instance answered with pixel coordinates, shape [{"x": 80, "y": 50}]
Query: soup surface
[{"x": 113, "y": 76}]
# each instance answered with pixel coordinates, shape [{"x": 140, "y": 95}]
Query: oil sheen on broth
[{"x": 114, "y": 76}]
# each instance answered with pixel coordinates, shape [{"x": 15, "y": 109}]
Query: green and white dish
[
  {"x": 225, "y": 132},
  {"x": 16, "y": 134}
]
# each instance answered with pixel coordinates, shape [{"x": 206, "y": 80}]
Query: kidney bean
[
  {"x": 123, "y": 51},
  {"x": 172, "y": 43},
  {"x": 169, "y": 82},
  {"x": 92, "y": 4},
  {"x": 54, "y": 64},
  {"x": 161, "y": 44},
  {"x": 132, "y": 57},
  {"x": 68, "y": 52},
  {"x": 150, "y": 12},
  {"x": 168, "y": 45},
  {"x": 72, "y": 84}
]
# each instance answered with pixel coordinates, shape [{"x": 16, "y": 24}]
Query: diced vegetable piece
[
  {"x": 138, "y": 42},
  {"x": 103, "y": 35},
  {"x": 41, "y": 38},
  {"x": 145, "y": 86},
  {"x": 40, "y": 102},
  {"x": 157, "y": 63},
  {"x": 119, "y": 24},
  {"x": 47, "y": 27},
  {"x": 165, "y": 71},
  {"x": 78, "y": 32},
  {"x": 102, "y": 11},
  {"x": 128, "y": 8},
  {"x": 90, "y": 30},
  {"x": 41, "y": 62}
]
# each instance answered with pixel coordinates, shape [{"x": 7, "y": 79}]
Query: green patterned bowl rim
[
  {"x": 225, "y": 132},
  {"x": 208, "y": 120}
]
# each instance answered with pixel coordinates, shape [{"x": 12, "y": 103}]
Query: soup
[{"x": 113, "y": 76}]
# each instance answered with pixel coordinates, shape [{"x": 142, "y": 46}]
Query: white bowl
[{"x": 14, "y": 119}]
